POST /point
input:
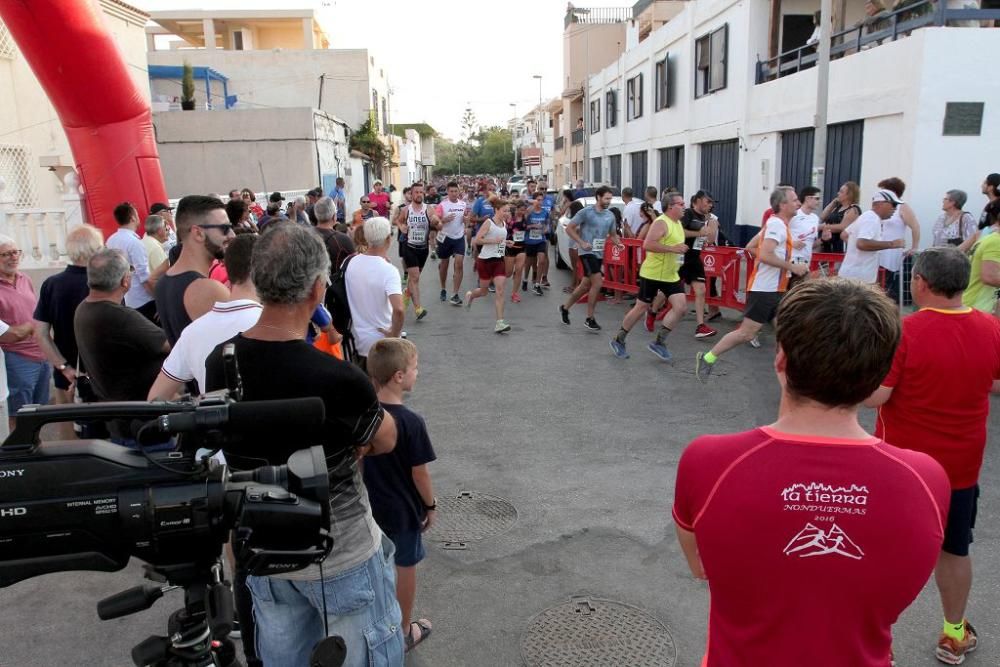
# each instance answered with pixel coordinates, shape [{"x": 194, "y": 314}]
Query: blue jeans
[
  {"x": 27, "y": 380},
  {"x": 361, "y": 607}
]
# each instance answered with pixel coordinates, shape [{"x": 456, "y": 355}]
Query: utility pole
[
  {"x": 822, "y": 94},
  {"x": 538, "y": 126},
  {"x": 513, "y": 134},
  {"x": 322, "y": 78}
]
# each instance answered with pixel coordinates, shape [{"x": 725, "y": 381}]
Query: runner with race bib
[
  {"x": 591, "y": 228},
  {"x": 416, "y": 221},
  {"x": 517, "y": 231},
  {"x": 492, "y": 241}
]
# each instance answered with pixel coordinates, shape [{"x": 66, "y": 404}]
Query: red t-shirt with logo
[
  {"x": 812, "y": 546},
  {"x": 380, "y": 202},
  {"x": 941, "y": 377}
]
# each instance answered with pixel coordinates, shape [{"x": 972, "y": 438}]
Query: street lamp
[
  {"x": 538, "y": 124},
  {"x": 513, "y": 134}
]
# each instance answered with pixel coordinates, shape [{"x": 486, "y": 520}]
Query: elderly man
[
  {"x": 156, "y": 235},
  {"x": 374, "y": 291},
  {"x": 936, "y": 400},
  {"x": 863, "y": 239},
  {"x": 290, "y": 270},
  {"x": 57, "y": 301},
  {"x": 27, "y": 369}
]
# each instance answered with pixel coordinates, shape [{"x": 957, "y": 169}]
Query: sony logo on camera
[
  {"x": 11, "y": 472},
  {"x": 13, "y": 511}
]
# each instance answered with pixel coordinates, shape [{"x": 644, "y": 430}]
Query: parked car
[{"x": 562, "y": 238}]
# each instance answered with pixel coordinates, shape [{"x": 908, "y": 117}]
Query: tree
[
  {"x": 366, "y": 140},
  {"x": 487, "y": 151},
  {"x": 469, "y": 124}
]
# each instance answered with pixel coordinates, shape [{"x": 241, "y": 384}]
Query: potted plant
[{"x": 187, "y": 87}]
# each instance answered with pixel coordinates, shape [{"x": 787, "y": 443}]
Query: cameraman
[{"x": 290, "y": 268}]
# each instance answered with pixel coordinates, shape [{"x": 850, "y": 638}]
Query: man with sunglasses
[
  {"x": 185, "y": 292},
  {"x": 364, "y": 213}
]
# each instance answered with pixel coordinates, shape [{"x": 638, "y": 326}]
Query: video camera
[{"x": 92, "y": 505}]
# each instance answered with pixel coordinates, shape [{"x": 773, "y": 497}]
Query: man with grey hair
[
  {"x": 156, "y": 234},
  {"x": 374, "y": 291},
  {"x": 936, "y": 400},
  {"x": 338, "y": 244},
  {"x": 57, "y": 301},
  {"x": 863, "y": 239},
  {"x": 297, "y": 212},
  {"x": 766, "y": 285},
  {"x": 27, "y": 369},
  {"x": 290, "y": 268},
  {"x": 120, "y": 349}
]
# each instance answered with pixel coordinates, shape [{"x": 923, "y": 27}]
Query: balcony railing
[
  {"x": 577, "y": 138},
  {"x": 887, "y": 27},
  {"x": 597, "y": 15},
  {"x": 559, "y": 143}
]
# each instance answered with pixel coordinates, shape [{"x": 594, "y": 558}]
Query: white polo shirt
[{"x": 862, "y": 264}]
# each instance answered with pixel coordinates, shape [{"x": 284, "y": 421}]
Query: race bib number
[
  {"x": 598, "y": 245},
  {"x": 535, "y": 235},
  {"x": 799, "y": 260},
  {"x": 699, "y": 243},
  {"x": 417, "y": 236},
  {"x": 518, "y": 236},
  {"x": 501, "y": 248},
  {"x": 441, "y": 237}
]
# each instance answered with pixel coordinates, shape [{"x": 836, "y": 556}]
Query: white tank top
[
  {"x": 495, "y": 242},
  {"x": 417, "y": 226},
  {"x": 455, "y": 229}
]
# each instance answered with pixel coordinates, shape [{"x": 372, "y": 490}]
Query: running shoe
[
  {"x": 434, "y": 255},
  {"x": 501, "y": 327},
  {"x": 953, "y": 651},
  {"x": 444, "y": 295},
  {"x": 493, "y": 288},
  {"x": 546, "y": 284},
  {"x": 714, "y": 316},
  {"x": 592, "y": 324},
  {"x": 702, "y": 369},
  {"x": 660, "y": 351},
  {"x": 537, "y": 289},
  {"x": 515, "y": 297},
  {"x": 406, "y": 297},
  {"x": 468, "y": 300},
  {"x": 421, "y": 313},
  {"x": 754, "y": 343},
  {"x": 565, "y": 315},
  {"x": 455, "y": 300},
  {"x": 618, "y": 348},
  {"x": 704, "y": 331},
  {"x": 650, "y": 320}
]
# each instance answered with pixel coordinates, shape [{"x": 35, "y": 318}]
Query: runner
[
  {"x": 590, "y": 229},
  {"x": 482, "y": 210},
  {"x": 699, "y": 229},
  {"x": 767, "y": 283},
  {"x": 514, "y": 260},
  {"x": 451, "y": 241},
  {"x": 804, "y": 229},
  {"x": 535, "y": 247},
  {"x": 415, "y": 221},
  {"x": 492, "y": 241},
  {"x": 379, "y": 199},
  {"x": 658, "y": 274}
]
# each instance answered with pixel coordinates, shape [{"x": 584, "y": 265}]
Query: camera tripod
[{"x": 197, "y": 634}]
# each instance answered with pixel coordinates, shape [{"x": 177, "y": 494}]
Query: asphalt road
[{"x": 585, "y": 447}]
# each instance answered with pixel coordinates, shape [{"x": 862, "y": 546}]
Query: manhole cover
[
  {"x": 471, "y": 516},
  {"x": 593, "y": 632}
]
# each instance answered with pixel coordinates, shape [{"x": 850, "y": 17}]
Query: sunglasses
[
  {"x": 365, "y": 201},
  {"x": 226, "y": 228}
]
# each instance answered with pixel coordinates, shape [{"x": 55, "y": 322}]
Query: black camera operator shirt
[{"x": 295, "y": 369}]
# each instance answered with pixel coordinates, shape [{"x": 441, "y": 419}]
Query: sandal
[{"x": 425, "y": 632}]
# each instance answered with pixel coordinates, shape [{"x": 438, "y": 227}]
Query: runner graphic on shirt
[{"x": 812, "y": 541}]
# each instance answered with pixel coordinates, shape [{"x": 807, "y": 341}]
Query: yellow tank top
[{"x": 662, "y": 266}]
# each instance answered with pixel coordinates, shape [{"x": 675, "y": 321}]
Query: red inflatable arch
[{"x": 106, "y": 118}]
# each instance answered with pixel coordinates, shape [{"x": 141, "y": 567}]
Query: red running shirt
[
  {"x": 812, "y": 546},
  {"x": 380, "y": 202},
  {"x": 941, "y": 377}
]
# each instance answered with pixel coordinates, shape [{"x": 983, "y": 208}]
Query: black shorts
[
  {"x": 961, "y": 521},
  {"x": 409, "y": 547},
  {"x": 413, "y": 257},
  {"x": 649, "y": 287},
  {"x": 451, "y": 247},
  {"x": 692, "y": 270},
  {"x": 591, "y": 265},
  {"x": 532, "y": 249},
  {"x": 762, "y": 306},
  {"x": 514, "y": 251}
]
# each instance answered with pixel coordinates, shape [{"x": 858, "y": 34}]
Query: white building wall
[{"x": 899, "y": 89}]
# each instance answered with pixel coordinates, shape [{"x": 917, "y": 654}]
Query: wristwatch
[{"x": 431, "y": 508}]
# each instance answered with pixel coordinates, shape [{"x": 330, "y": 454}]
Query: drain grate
[
  {"x": 471, "y": 516},
  {"x": 590, "y": 632}
]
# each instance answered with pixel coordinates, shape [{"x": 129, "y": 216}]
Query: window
[
  {"x": 595, "y": 170},
  {"x": 611, "y": 110},
  {"x": 639, "y": 173},
  {"x": 615, "y": 169},
  {"x": 710, "y": 61},
  {"x": 633, "y": 89},
  {"x": 16, "y": 173},
  {"x": 663, "y": 81},
  {"x": 375, "y": 110},
  {"x": 595, "y": 116},
  {"x": 237, "y": 40},
  {"x": 6, "y": 43},
  {"x": 385, "y": 117}
]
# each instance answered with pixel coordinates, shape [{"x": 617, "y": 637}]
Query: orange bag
[{"x": 323, "y": 344}]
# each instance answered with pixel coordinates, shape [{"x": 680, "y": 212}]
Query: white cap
[{"x": 886, "y": 195}]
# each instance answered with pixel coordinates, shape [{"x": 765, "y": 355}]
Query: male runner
[
  {"x": 415, "y": 221},
  {"x": 535, "y": 247},
  {"x": 591, "y": 228},
  {"x": 663, "y": 243},
  {"x": 767, "y": 283},
  {"x": 451, "y": 241},
  {"x": 699, "y": 228}
]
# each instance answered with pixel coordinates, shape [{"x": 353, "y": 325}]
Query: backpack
[{"x": 340, "y": 309}]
